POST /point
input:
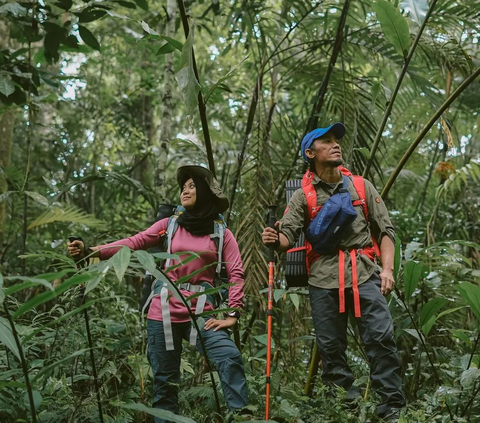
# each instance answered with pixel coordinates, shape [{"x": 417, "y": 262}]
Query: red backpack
[{"x": 300, "y": 258}]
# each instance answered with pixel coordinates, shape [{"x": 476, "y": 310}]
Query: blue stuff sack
[{"x": 327, "y": 228}]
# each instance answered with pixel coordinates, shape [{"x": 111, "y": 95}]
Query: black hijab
[{"x": 200, "y": 219}]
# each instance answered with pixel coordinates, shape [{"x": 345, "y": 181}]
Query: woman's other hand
[
  {"x": 76, "y": 249},
  {"x": 220, "y": 324}
]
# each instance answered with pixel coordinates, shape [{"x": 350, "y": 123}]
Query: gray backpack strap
[
  {"x": 198, "y": 310},
  {"x": 167, "y": 321},
  {"x": 219, "y": 236},
  {"x": 171, "y": 228}
]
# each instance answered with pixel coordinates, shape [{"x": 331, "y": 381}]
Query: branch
[
  {"x": 201, "y": 103},
  {"x": 425, "y": 130},
  {"x": 388, "y": 110}
]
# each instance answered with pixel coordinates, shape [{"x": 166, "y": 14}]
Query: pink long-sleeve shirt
[{"x": 185, "y": 241}]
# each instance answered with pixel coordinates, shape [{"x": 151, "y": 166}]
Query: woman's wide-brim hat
[{"x": 183, "y": 172}]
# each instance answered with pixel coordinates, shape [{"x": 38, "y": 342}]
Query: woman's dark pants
[
  {"x": 222, "y": 352},
  {"x": 376, "y": 330}
]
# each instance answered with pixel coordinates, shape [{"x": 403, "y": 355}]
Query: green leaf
[
  {"x": 156, "y": 412},
  {"x": 295, "y": 300},
  {"x": 417, "y": 9},
  {"x": 469, "y": 377},
  {"x": 37, "y": 399},
  {"x": 397, "y": 262},
  {"x": 142, "y": 4},
  {"x": 414, "y": 333},
  {"x": 263, "y": 339},
  {"x": 471, "y": 294},
  {"x": 147, "y": 29},
  {"x": 394, "y": 26},
  {"x": 412, "y": 272},
  {"x": 13, "y": 8},
  {"x": 29, "y": 282},
  {"x": 120, "y": 262},
  {"x": 37, "y": 197},
  {"x": 277, "y": 294},
  {"x": 2, "y": 294},
  {"x": 175, "y": 43},
  {"x": 93, "y": 283},
  {"x": 146, "y": 260},
  {"x": 6, "y": 85},
  {"x": 376, "y": 87},
  {"x": 165, "y": 49},
  {"x": 427, "y": 316},
  {"x": 47, "y": 369},
  {"x": 88, "y": 38},
  {"x": 127, "y": 4},
  {"x": 50, "y": 295},
  {"x": 6, "y": 337},
  {"x": 185, "y": 76},
  {"x": 90, "y": 15},
  {"x": 68, "y": 214}
]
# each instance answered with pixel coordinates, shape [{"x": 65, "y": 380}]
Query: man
[{"x": 347, "y": 279}]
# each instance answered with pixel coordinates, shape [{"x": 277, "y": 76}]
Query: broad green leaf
[
  {"x": 417, "y": 9},
  {"x": 29, "y": 283},
  {"x": 37, "y": 399},
  {"x": 120, "y": 262},
  {"x": 415, "y": 334},
  {"x": 6, "y": 337},
  {"x": 263, "y": 339},
  {"x": 175, "y": 43},
  {"x": 412, "y": 272},
  {"x": 2, "y": 294},
  {"x": 88, "y": 38},
  {"x": 397, "y": 262},
  {"x": 6, "y": 85},
  {"x": 277, "y": 294},
  {"x": 37, "y": 197},
  {"x": 461, "y": 334},
  {"x": 156, "y": 412},
  {"x": 142, "y": 4},
  {"x": 50, "y": 295},
  {"x": 185, "y": 76},
  {"x": 469, "y": 377},
  {"x": 90, "y": 15},
  {"x": 394, "y": 26},
  {"x": 427, "y": 315},
  {"x": 127, "y": 4},
  {"x": 52, "y": 366},
  {"x": 147, "y": 29},
  {"x": 471, "y": 294},
  {"x": 146, "y": 260},
  {"x": 93, "y": 283},
  {"x": 295, "y": 300},
  {"x": 165, "y": 49}
]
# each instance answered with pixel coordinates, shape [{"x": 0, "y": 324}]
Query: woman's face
[{"x": 188, "y": 196}]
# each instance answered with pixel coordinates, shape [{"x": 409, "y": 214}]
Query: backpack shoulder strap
[
  {"x": 172, "y": 227},
  {"x": 359, "y": 185},
  {"x": 310, "y": 194},
  {"x": 219, "y": 236}
]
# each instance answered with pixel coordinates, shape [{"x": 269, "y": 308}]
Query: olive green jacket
[{"x": 324, "y": 271}]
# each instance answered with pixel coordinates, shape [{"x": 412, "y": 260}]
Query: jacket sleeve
[
  {"x": 293, "y": 221},
  {"x": 234, "y": 266},
  {"x": 380, "y": 222},
  {"x": 141, "y": 241}
]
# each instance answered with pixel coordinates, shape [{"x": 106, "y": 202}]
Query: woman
[{"x": 203, "y": 200}]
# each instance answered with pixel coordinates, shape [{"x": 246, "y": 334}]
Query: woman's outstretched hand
[
  {"x": 220, "y": 324},
  {"x": 76, "y": 249}
]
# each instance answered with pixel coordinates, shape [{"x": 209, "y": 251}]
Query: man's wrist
[{"x": 234, "y": 313}]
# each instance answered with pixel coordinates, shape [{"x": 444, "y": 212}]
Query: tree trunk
[
  {"x": 165, "y": 126},
  {"x": 7, "y": 121}
]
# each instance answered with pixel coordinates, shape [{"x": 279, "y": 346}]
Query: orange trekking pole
[{"x": 271, "y": 271}]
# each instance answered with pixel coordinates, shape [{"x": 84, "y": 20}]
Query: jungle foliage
[{"x": 101, "y": 101}]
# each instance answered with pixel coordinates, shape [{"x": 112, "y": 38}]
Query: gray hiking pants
[{"x": 376, "y": 331}]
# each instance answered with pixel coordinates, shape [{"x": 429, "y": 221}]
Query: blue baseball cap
[{"x": 338, "y": 129}]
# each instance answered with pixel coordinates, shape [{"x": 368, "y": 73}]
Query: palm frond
[{"x": 68, "y": 214}]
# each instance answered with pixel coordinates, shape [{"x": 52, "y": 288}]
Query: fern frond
[{"x": 69, "y": 214}]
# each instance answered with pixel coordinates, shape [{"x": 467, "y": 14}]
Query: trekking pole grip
[{"x": 272, "y": 219}]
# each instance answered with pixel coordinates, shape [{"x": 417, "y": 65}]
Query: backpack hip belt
[{"x": 312, "y": 256}]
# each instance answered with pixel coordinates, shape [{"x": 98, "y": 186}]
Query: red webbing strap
[
  {"x": 161, "y": 233},
  {"x": 341, "y": 281},
  {"x": 356, "y": 293},
  {"x": 294, "y": 250}
]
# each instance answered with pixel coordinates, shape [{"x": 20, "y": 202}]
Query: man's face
[{"x": 326, "y": 151}]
